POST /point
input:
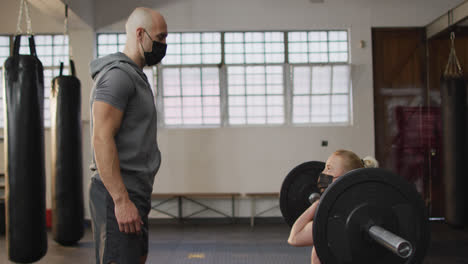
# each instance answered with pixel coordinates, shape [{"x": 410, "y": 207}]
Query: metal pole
[{"x": 394, "y": 243}]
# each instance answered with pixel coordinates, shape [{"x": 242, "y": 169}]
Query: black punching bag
[
  {"x": 67, "y": 179},
  {"x": 453, "y": 93},
  {"x": 24, "y": 156}
]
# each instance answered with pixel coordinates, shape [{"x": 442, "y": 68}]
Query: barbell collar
[{"x": 314, "y": 197}]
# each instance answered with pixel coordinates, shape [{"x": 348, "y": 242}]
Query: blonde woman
[{"x": 338, "y": 164}]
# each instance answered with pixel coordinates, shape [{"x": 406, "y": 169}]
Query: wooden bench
[
  {"x": 253, "y": 197},
  {"x": 192, "y": 198}
]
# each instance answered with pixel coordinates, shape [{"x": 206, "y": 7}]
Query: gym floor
[{"x": 266, "y": 243}]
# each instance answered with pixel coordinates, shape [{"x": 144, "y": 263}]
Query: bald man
[{"x": 126, "y": 156}]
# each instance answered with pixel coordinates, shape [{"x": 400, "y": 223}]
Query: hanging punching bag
[
  {"x": 67, "y": 179},
  {"x": 24, "y": 156},
  {"x": 453, "y": 93}
]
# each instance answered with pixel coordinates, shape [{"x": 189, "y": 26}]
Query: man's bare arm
[{"x": 106, "y": 123}]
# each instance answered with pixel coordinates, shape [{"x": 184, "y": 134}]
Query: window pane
[
  {"x": 321, "y": 94},
  {"x": 210, "y": 81},
  {"x": 122, "y": 39},
  {"x": 234, "y": 37},
  {"x": 341, "y": 79},
  {"x": 191, "y": 83},
  {"x": 110, "y": 43},
  {"x": 171, "y": 82},
  {"x": 254, "y": 47},
  {"x": 318, "y": 46},
  {"x": 320, "y": 109},
  {"x": 340, "y": 105},
  {"x": 193, "y": 48},
  {"x": 237, "y": 100},
  {"x": 256, "y": 93},
  {"x": 191, "y": 96},
  {"x": 321, "y": 79},
  {"x": 302, "y": 78},
  {"x": 297, "y": 58}
]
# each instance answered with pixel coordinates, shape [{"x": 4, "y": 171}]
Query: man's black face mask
[{"x": 157, "y": 53}]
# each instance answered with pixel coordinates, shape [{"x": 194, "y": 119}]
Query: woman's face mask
[
  {"x": 333, "y": 169},
  {"x": 324, "y": 181}
]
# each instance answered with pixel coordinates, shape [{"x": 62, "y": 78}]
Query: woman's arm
[{"x": 301, "y": 232}]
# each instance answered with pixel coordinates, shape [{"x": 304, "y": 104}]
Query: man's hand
[{"x": 128, "y": 217}]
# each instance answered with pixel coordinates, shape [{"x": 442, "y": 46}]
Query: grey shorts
[{"x": 112, "y": 245}]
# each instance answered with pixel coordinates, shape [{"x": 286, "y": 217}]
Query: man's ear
[{"x": 139, "y": 33}]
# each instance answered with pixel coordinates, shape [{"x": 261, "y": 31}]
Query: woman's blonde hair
[{"x": 352, "y": 161}]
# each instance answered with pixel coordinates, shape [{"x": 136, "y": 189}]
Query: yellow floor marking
[{"x": 196, "y": 256}]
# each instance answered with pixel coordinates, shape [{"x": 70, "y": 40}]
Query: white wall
[{"x": 250, "y": 159}]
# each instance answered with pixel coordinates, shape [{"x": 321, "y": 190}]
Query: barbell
[{"x": 365, "y": 216}]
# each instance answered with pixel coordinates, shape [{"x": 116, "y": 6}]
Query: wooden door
[{"x": 406, "y": 127}]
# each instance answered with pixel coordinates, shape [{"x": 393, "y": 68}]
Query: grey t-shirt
[{"x": 122, "y": 84}]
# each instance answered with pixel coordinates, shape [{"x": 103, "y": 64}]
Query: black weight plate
[
  {"x": 296, "y": 189},
  {"x": 360, "y": 199}
]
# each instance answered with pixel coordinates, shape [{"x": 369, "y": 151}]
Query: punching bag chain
[
  {"x": 19, "y": 31},
  {"x": 453, "y": 68},
  {"x": 66, "y": 33}
]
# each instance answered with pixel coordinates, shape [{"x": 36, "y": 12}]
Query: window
[
  {"x": 318, "y": 47},
  {"x": 191, "y": 96},
  {"x": 255, "y": 77},
  {"x": 110, "y": 43},
  {"x": 250, "y": 78},
  {"x": 254, "y": 47},
  {"x": 193, "y": 48},
  {"x": 321, "y": 89},
  {"x": 191, "y": 93},
  {"x": 255, "y": 95},
  {"x": 321, "y": 94},
  {"x": 51, "y": 50},
  {"x": 4, "y": 53}
]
